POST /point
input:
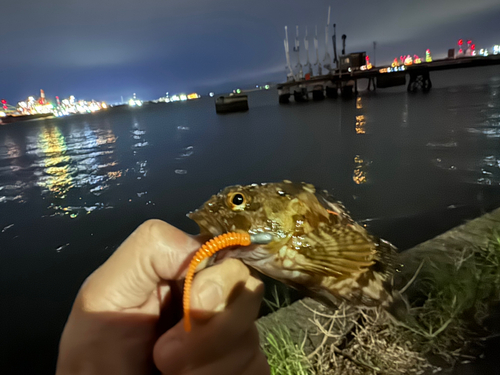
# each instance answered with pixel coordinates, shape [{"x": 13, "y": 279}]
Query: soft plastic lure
[{"x": 208, "y": 249}]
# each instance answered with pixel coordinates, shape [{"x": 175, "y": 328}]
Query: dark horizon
[{"x": 103, "y": 51}]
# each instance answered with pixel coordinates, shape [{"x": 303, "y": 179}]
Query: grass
[
  {"x": 451, "y": 298},
  {"x": 456, "y": 296},
  {"x": 285, "y": 357}
]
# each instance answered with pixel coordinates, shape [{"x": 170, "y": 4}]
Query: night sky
[{"x": 102, "y": 50}]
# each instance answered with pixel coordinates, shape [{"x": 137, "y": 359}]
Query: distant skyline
[{"x": 105, "y": 50}]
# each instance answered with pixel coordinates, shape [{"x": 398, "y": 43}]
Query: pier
[{"x": 345, "y": 83}]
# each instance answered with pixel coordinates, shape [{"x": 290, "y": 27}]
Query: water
[{"x": 71, "y": 189}]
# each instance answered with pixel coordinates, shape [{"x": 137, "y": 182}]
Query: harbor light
[
  {"x": 183, "y": 97},
  {"x": 134, "y": 103},
  {"x": 428, "y": 56},
  {"x": 496, "y": 50},
  {"x": 2, "y": 114},
  {"x": 211, "y": 94},
  {"x": 392, "y": 69},
  {"x": 484, "y": 52}
]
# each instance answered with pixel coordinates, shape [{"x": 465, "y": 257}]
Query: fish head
[{"x": 285, "y": 210}]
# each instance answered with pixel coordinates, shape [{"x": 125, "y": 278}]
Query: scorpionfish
[{"x": 315, "y": 244}]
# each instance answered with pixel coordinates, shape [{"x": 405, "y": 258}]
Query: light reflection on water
[
  {"x": 360, "y": 175},
  {"x": 66, "y": 167},
  {"x": 484, "y": 127},
  {"x": 378, "y": 141}
]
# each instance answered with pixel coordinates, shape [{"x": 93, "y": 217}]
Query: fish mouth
[
  {"x": 210, "y": 227},
  {"x": 208, "y": 224}
]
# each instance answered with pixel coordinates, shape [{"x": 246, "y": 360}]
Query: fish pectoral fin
[{"x": 337, "y": 251}]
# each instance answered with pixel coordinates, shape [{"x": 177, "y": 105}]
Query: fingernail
[{"x": 210, "y": 296}]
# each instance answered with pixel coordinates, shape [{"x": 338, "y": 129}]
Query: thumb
[{"x": 155, "y": 251}]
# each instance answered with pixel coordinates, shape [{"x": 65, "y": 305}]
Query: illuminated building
[
  {"x": 368, "y": 65},
  {"x": 428, "y": 57},
  {"x": 42, "y": 100},
  {"x": 408, "y": 60},
  {"x": 134, "y": 102},
  {"x": 179, "y": 97},
  {"x": 416, "y": 59},
  {"x": 64, "y": 107},
  {"x": 34, "y": 107},
  {"x": 460, "y": 43}
]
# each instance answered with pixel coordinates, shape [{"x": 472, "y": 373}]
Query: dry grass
[
  {"x": 374, "y": 346},
  {"x": 453, "y": 297}
]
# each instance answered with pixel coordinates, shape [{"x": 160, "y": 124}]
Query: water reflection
[
  {"x": 359, "y": 175},
  {"x": 61, "y": 165},
  {"x": 360, "y": 124},
  {"x": 10, "y": 149},
  {"x": 57, "y": 177},
  {"x": 359, "y": 103},
  {"x": 139, "y": 134}
]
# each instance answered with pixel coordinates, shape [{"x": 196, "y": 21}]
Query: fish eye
[{"x": 236, "y": 201}]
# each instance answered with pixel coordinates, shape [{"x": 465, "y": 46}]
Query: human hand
[{"x": 114, "y": 325}]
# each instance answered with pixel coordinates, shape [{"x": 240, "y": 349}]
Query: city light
[
  {"x": 178, "y": 98},
  {"x": 392, "y": 69},
  {"x": 368, "y": 65},
  {"x": 135, "y": 103},
  {"x": 428, "y": 57},
  {"x": 42, "y": 106}
]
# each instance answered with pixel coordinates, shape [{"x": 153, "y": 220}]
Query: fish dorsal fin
[{"x": 336, "y": 251}]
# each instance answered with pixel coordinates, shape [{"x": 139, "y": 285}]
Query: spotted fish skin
[{"x": 317, "y": 246}]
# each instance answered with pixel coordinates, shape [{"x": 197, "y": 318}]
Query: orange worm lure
[{"x": 207, "y": 250}]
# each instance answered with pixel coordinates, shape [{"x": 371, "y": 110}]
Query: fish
[{"x": 316, "y": 246}]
